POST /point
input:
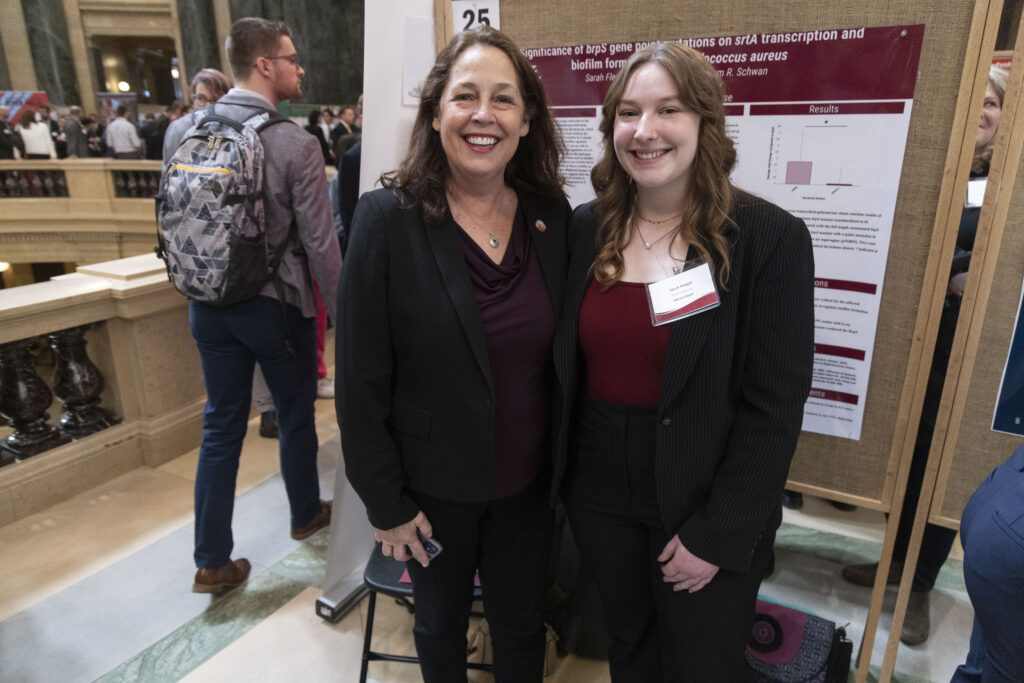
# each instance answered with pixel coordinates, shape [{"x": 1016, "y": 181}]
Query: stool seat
[{"x": 383, "y": 575}]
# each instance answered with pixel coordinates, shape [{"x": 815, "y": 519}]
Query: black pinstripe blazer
[
  {"x": 733, "y": 389},
  {"x": 415, "y": 399}
]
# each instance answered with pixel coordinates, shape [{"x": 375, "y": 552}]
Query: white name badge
[{"x": 680, "y": 296}]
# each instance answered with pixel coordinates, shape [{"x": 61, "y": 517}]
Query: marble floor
[{"x": 98, "y": 588}]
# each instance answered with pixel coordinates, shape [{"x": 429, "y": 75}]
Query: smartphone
[{"x": 431, "y": 545}]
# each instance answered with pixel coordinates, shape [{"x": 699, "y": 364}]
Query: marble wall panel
[
  {"x": 198, "y": 37},
  {"x": 5, "y": 74},
  {"x": 50, "y": 44},
  {"x": 329, "y": 39}
]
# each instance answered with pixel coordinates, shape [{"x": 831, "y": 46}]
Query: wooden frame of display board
[
  {"x": 965, "y": 448},
  {"x": 872, "y": 471}
]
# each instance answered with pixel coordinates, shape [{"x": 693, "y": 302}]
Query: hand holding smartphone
[{"x": 432, "y": 546}]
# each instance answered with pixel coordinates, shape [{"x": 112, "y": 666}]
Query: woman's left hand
[{"x": 684, "y": 569}]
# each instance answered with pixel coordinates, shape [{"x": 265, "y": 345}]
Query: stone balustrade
[
  {"x": 126, "y": 373},
  {"x": 77, "y": 210}
]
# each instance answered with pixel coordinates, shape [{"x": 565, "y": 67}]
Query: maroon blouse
[
  {"x": 624, "y": 352},
  {"x": 519, "y": 326}
]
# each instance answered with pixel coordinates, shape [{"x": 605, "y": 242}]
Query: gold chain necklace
[{"x": 648, "y": 245}]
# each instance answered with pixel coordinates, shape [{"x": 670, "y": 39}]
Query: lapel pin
[{"x": 540, "y": 226}]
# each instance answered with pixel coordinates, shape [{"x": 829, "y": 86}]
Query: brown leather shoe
[
  {"x": 319, "y": 521},
  {"x": 864, "y": 574},
  {"x": 222, "y": 578},
  {"x": 917, "y": 622}
]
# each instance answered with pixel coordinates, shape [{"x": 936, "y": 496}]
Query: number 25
[{"x": 479, "y": 17}]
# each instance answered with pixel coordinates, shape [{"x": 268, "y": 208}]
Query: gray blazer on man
[
  {"x": 294, "y": 186},
  {"x": 78, "y": 143}
]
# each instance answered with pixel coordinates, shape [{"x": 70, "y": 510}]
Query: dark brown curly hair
[
  {"x": 424, "y": 172},
  {"x": 709, "y": 198}
]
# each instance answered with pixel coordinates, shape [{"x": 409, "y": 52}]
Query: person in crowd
[
  {"x": 122, "y": 137},
  {"x": 937, "y": 540},
  {"x": 676, "y": 438},
  {"x": 313, "y": 128},
  {"x": 447, "y": 308},
  {"x": 992, "y": 532},
  {"x": 348, "y": 190},
  {"x": 327, "y": 123},
  {"x": 35, "y": 136},
  {"x": 346, "y": 124},
  {"x": 208, "y": 86},
  {"x": 56, "y": 126},
  {"x": 94, "y": 134},
  {"x": 152, "y": 140},
  {"x": 174, "y": 111},
  {"x": 10, "y": 139},
  {"x": 74, "y": 135},
  {"x": 280, "y": 336}
]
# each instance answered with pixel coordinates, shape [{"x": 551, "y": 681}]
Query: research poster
[{"x": 820, "y": 122}]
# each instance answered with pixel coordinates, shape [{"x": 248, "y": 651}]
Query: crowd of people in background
[{"x": 43, "y": 133}]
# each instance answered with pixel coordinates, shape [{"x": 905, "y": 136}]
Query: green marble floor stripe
[
  {"x": 228, "y": 618},
  {"x": 846, "y": 550}
]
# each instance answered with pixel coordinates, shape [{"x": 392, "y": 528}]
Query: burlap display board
[{"x": 971, "y": 449}]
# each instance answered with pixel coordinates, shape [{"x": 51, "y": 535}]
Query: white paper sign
[
  {"x": 417, "y": 58},
  {"x": 467, "y": 14},
  {"x": 976, "y": 191}
]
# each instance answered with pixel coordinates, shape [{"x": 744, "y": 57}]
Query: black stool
[{"x": 382, "y": 575}]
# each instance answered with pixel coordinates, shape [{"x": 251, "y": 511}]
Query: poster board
[
  {"x": 972, "y": 448},
  {"x": 871, "y": 471}
]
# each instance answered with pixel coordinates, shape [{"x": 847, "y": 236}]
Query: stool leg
[{"x": 369, "y": 634}]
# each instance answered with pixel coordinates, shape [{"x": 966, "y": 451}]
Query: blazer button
[{"x": 666, "y": 422}]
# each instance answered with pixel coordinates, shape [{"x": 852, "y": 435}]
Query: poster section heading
[{"x": 747, "y": 65}]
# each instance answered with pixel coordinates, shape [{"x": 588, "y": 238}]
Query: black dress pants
[
  {"x": 656, "y": 634},
  {"x": 509, "y": 541}
]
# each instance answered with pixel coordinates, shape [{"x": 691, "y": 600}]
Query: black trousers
[
  {"x": 656, "y": 634},
  {"x": 509, "y": 541}
]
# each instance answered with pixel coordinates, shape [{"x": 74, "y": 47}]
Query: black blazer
[
  {"x": 415, "y": 399},
  {"x": 733, "y": 389}
]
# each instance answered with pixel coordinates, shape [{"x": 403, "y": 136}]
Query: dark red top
[
  {"x": 624, "y": 353},
  {"x": 519, "y": 325}
]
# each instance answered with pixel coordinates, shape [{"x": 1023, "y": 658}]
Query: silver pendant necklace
[{"x": 493, "y": 241}]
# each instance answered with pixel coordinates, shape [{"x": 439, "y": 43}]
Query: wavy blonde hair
[
  {"x": 997, "y": 78},
  {"x": 708, "y": 200}
]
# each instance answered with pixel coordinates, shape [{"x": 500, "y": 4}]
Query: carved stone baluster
[
  {"x": 24, "y": 400},
  {"x": 62, "y": 184},
  {"x": 48, "y": 184},
  {"x": 132, "y": 186},
  {"x": 23, "y": 184},
  {"x": 119, "y": 184},
  {"x": 78, "y": 383}
]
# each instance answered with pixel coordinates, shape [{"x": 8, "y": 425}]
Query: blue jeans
[
  {"x": 992, "y": 531},
  {"x": 231, "y": 339}
]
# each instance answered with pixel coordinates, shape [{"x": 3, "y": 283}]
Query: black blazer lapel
[
  {"x": 444, "y": 243},
  {"x": 685, "y": 341},
  {"x": 548, "y": 244},
  {"x": 577, "y": 282}
]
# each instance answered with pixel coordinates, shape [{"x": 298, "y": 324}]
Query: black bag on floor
[{"x": 791, "y": 646}]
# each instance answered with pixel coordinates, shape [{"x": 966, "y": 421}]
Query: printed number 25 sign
[{"x": 467, "y": 14}]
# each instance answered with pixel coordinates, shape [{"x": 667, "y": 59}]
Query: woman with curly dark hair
[
  {"x": 684, "y": 357},
  {"x": 448, "y": 304}
]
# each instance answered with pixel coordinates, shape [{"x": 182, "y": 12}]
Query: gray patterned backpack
[{"x": 211, "y": 225}]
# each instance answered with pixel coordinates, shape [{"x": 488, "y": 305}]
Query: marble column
[
  {"x": 329, "y": 40},
  {"x": 48, "y": 39},
  {"x": 199, "y": 37},
  {"x": 5, "y": 74}
]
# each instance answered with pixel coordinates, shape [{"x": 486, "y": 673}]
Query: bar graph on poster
[{"x": 820, "y": 120}]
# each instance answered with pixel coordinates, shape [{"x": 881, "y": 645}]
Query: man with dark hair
[
  {"x": 122, "y": 137},
  {"x": 9, "y": 138},
  {"x": 281, "y": 338},
  {"x": 346, "y": 124},
  {"x": 78, "y": 143}
]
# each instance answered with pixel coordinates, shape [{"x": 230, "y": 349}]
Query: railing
[
  {"x": 125, "y": 371},
  {"x": 77, "y": 210}
]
